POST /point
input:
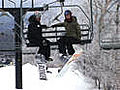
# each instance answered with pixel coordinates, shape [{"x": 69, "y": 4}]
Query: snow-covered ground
[{"x": 70, "y": 81}]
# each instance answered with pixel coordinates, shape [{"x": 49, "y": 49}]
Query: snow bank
[{"x": 70, "y": 81}]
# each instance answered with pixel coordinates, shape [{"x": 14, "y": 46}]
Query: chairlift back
[
  {"x": 110, "y": 42},
  {"x": 57, "y": 33}
]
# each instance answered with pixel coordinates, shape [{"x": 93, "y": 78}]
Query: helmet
[
  {"x": 37, "y": 14},
  {"x": 67, "y": 12}
]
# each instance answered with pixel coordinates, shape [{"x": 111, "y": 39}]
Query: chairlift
[
  {"x": 86, "y": 29},
  {"x": 17, "y": 13},
  {"x": 109, "y": 40},
  {"x": 110, "y": 43}
]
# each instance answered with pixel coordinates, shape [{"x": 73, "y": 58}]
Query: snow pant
[
  {"x": 44, "y": 46},
  {"x": 65, "y": 43}
]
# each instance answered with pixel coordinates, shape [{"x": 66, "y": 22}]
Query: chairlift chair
[
  {"x": 110, "y": 40},
  {"x": 86, "y": 29},
  {"x": 108, "y": 43}
]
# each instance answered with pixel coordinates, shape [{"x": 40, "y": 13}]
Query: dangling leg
[
  {"x": 40, "y": 48},
  {"x": 70, "y": 48},
  {"x": 71, "y": 51},
  {"x": 46, "y": 49},
  {"x": 41, "y": 54},
  {"x": 62, "y": 46}
]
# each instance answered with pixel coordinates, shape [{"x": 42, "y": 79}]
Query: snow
[{"x": 70, "y": 81}]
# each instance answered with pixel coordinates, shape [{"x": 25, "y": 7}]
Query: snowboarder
[
  {"x": 72, "y": 33},
  {"x": 35, "y": 35}
]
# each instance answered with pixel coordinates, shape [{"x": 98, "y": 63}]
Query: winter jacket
[
  {"x": 34, "y": 30},
  {"x": 72, "y": 28}
]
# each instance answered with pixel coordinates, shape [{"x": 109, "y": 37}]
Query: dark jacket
[
  {"x": 72, "y": 28},
  {"x": 34, "y": 30}
]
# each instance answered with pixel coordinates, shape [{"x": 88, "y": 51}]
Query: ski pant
[
  {"x": 65, "y": 43},
  {"x": 44, "y": 46}
]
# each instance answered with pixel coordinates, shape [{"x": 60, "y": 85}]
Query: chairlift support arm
[
  {"x": 12, "y": 2},
  {"x": 72, "y": 6},
  {"x": 91, "y": 8}
]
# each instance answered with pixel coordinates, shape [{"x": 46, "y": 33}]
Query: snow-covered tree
[{"x": 98, "y": 63}]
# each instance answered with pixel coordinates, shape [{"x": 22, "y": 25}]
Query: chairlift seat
[
  {"x": 82, "y": 42},
  {"x": 85, "y": 36},
  {"x": 110, "y": 43}
]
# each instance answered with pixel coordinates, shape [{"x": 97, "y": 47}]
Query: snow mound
[{"x": 72, "y": 80}]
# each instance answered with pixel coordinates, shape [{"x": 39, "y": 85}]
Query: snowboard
[
  {"x": 41, "y": 64},
  {"x": 42, "y": 71},
  {"x": 63, "y": 61},
  {"x": 64, "y": 68}
]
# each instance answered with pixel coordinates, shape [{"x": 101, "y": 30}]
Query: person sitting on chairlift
[
  {"x": 72, "y": 34},
  {"x": 35, "y": 36}
]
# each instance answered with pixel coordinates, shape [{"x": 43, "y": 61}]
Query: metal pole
[
  {"x": 18, "y": 54},
  {"x": 2, "y": 3},
  {"x": 21, "y": 20},
  {"x": 32, "y": 3},
  {"x": 91, "y": 8},
  {"x": 117, "y": 18},
  {"x": 19, "y": 51}
]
